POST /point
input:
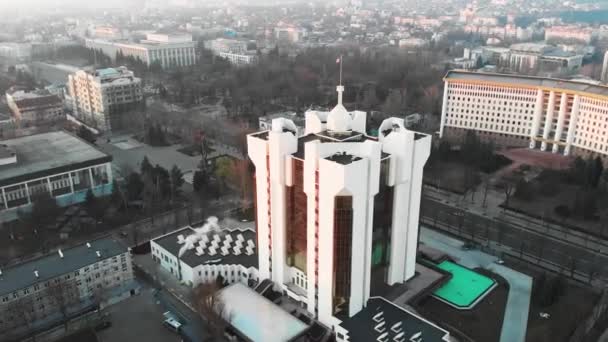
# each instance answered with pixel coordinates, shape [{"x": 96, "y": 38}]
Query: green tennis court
[{"x": 465, "y": 288}]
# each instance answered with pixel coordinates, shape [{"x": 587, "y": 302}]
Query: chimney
[
  {"x": 88, "y": 245},
  {"x": 60, "y": 253},
  {"x": 36, "y": 274},
  {"x": 98, "y": 254}
]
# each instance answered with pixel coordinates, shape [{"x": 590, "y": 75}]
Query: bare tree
[
  {"x": 210, "y": 306},
  {"x": 63, "y": 296},
  {"x": 22, "y": 312}
]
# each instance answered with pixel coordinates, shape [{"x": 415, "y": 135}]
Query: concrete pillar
[
  {"x": 444, "y": 106},
  {"x": 4, "y": 198},
  {"x": 538, "y": 112},
  {"x": 572, "y": 124},
  {"x": 563, "y": 104},
  {"x": 71, "y": 182},
  {"x": 548, "y": 121},
  {"x": 91, "y": 178}
]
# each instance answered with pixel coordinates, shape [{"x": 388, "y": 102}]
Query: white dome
[{"x": 339, "y": 119}]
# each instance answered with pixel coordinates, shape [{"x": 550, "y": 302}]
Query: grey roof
[
  {"x": 361, "y": 326},
  {"x": 519, "y": 80},
  {"x": 45, "y": 154},
  {"x": 52, "y": 265},
  {"x": 170, "y": 243}
]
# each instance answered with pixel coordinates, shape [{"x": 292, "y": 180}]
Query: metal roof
[
  {"x": 46, "y": 154},
  {"x": 22, "y": 275}
]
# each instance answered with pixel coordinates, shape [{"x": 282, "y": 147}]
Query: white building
[
  {"x": 165, "y": 50},
  {"x": 194, "y": 257},
  {"x": 15, "y": 53},
  {"x": 569, "y": 33},
  {"x": 65, "y": 282},
  {"x": 101, "y": 97},
  {"x": 220, "y": 45},
  {"x": 325, "y": 201},
  {"x": 239, "y": 59},
  {"x": 604, "y": 76},
  {"x": 551, "y": 114}
]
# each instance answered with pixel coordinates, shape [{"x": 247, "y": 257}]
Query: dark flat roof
[
  {"x": 169, "y": 242},
  {"x": 367, "y": 325},
  {"x": 343, "y": 158},
  {"x": 46, "y": 154},
  {"x": 533, "y": 81},
  {"x": 50, "y": 266}
]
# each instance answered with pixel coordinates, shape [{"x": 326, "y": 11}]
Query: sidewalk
[{"x": 515, "y": 321}]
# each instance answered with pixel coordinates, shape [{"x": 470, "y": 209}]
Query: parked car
[{"x": 173, "y": 325}]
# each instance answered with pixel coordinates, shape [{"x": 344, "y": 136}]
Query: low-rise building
[
  {"x": 58, "y": 163},
  {"x": 197, "y": 255},
  {"x": 604, "y": 77},
  {"x": 37, "y": 107},
  {"x": 101, "y": 97},
  {"x": 239, "y": 59},
  {"x": 165, "y": 50},
  {"x": 62, "y": 285}
]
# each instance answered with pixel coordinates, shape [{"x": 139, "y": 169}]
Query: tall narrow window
[{"x": 343, "y": 237}]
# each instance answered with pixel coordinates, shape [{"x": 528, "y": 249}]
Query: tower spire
[{"x": 340, "y": 87}]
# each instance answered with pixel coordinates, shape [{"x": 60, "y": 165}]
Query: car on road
[
  {"x": 173, "y": 325},
  {"x": 467, "y": 246}
]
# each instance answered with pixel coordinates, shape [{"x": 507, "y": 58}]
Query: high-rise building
[
  {"x": 100, "y": 98},
  {"x": 334, "y": 203},
  {"x": 604, "y": 77}
]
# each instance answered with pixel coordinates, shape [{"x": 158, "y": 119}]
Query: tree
[
  {"x": 199, "y": 181},
  {"x": 209, "y": 304},
  {"x": 524, "y": 190},
  {"x": 63, "y": 294},
  {"x": 223, "y": 170},
  {"x": 44, "y": 209},
  {"x": 135, "y": 186},
  {"x": 145, "y": 166},
  {"x": 177, "y": 180},
  {"x": 563, "y": 211},
  {"x": 94, "y": 206}
]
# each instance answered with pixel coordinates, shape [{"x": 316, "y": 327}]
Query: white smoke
[{"x": 191, "y": 240}]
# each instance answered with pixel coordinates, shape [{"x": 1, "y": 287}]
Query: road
[
  {"x": 515, "y": 321},
  {"x": 518, "y": 241}
]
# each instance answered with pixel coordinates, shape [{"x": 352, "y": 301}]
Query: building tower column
[
  {"x": 563, "y": 104},
  {"x": 444, "y": 107},
  {"x": 538, "y": 111},
  {"x": 572, "y": 125},
  {"x": 548, "y": 121}
]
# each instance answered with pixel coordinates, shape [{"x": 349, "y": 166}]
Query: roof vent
[
  {"x": 60, "y": 253},
  {"x": 36, "y": 274},
  {"x": 98, "y": 254},
  {"x": 88, "y": 245}
]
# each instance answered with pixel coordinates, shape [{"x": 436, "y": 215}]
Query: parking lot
[{"x": 139, "y": 318}]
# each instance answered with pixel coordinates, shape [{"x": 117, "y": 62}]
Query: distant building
[
  {"x": 55, "y": 162},
  {"x": 100, "y": 98},
  {"x": 107, "y": 32},
  {"x": 604, "y": 77},
  {"x": 67, "y": 282},
  {"x": 240, "y": 59},
  {"x": 37, "y": 107},
  {"x": 289, "y": 33},
  {"x": 530, "y": 56},
  {"x": 166, "y": 50},
  {"x": 412, "y": 43},
  {"x": 15, "y": 53},
  {"x": 569, "y": 33}
]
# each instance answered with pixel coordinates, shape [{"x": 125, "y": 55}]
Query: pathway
[{"x": 515, "y": 321}]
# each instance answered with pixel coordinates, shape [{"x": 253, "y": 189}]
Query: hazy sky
[{"x": 61, "y": 3}]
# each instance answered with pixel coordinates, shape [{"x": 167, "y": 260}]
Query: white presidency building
[
  {"x": 559, "y": 116},
  {"x": 332, "y": 203}
]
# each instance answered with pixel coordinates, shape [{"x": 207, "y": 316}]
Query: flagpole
[{"x": 340, "y": 69}]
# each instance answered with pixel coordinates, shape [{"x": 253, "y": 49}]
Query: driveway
[{"x": 515, "y": 322}]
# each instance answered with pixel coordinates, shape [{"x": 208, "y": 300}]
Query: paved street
[
  {"x": 139, "y": 318},
  {"x": 553, "y": 251},
  {"x": 520, "y": 285}
]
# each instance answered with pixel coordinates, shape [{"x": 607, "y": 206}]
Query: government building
[{"x": 559, "y": 116}]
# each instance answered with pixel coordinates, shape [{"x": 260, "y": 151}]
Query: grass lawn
[{"x": 465, "y": 286}]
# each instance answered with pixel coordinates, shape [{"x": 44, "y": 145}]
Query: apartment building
[
  {"x": 101, "y": 97},
  {"x": 63, "y": 284},
  {"x": 560, "y": 116}
]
